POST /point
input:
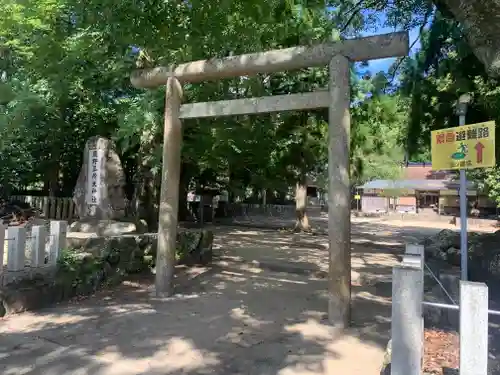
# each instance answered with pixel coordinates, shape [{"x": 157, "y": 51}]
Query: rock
[
  {"x": 438, "y": 317},
  {"x": 121, "y": 253},
  {"x": 81, "y": 231},
  {"x": 484, "y": 255},
  {"x": 16, "y": 299},
  {"x": 205, "y": 247},
  {"x": 437, "y": 245},
  {"x": 453, "y": 256},
  {"x": 434, "y": 251},
  {"x": 194, "y": 247},
  {"x": 188, "y": 247},
  {"x": 105, "y": 227},
  {"x": 99, "y": 191},
  {"x": 116, "y": 242}
]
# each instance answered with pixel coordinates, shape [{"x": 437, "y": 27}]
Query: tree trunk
[
  {"x": 480, "y": 20},
  {"x": 183, "y": 191},
  {"x": 302, "y": 221},
  {"x": 144, "y": 201},
  {"x": 145, "y": 198},
  {"x": 52, "y": 177}
]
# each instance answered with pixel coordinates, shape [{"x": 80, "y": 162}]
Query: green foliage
[
  {"x": 378, "y": 134},
  {"x": 64, "y": 77},
  {"x": 78, "y": 269},
  {"x": 433, "y": 80}
]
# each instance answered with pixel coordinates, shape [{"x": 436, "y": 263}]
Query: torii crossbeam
[{"x": 337, "y": 56}]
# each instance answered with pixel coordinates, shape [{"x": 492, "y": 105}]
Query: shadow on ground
[{"x": 235, "y": 317}]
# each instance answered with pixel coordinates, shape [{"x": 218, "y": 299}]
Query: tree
[
  {"x": 479, "y": 20},
  {"x": 51, "y": 71},
  {"x": 64, "y": 77},
  {"x": 432, "y": 81},
  {"x": 379, "y": 122}
]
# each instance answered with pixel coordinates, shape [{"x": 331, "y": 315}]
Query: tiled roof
[
  {"x": 435, "y": 185},
  {"x": 423, "y": 172}
]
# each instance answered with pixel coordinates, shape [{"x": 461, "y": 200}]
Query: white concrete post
[
  {"x": 16, "y": 248},
  {"x": 415, "y": 255},
  {"x": 414, "y": 252},
  {"x": 3, "y": 229},
  {"x": 339, "y": 191},
  {"x": 406, "y": 323},
  {"x": 58, "y": 231},
  {"x": 38, "y": 241},
  {"x": 473, "y": 328},
  {"x": 414, "y": 249}
]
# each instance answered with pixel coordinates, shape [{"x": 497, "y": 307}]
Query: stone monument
[
  {"x": 99, "y": 194},
  {"x": 99, "y": 191}
]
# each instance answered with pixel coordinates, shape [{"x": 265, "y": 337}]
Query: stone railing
[
  {"x": 50, "y": 207},
  {"x": 29, "y": 251}
]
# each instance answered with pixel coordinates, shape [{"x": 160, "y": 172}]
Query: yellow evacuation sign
[
  {"x": 357, "y": 197},
  {"x": 464, "y": 147}
]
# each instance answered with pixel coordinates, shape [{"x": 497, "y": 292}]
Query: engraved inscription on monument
[
  {"x": 99, "y": 191},
  {"x": 94, "y": 176}
]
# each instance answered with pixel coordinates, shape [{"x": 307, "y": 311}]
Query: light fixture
[
  {"x": 462, "y": 103},
  {"x": 465, "y": 98}
]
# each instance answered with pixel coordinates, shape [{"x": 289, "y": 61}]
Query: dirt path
[{"x": 259, "y": 310}]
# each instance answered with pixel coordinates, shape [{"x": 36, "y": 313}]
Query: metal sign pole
[
  {"x": 464, "y": 257},
  {"x": 463, "y": 217},
  {"x": 460, "y": 148}
]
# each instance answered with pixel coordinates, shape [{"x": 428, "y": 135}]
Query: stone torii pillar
[
  {"x": 339, "y": 193},
  {"x": 169, "y": 194},
  {"x": 337, "y": 56}
]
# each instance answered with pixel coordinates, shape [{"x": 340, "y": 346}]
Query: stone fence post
[
  {"x": 14, "y": 240},
  {"x": 406, "y": 323},
  {"x": 473, "y": 328},
  {"x": 16, "y": 237},
  {"x": 58, "y": 230},
  {"x": 38, "y": 242}
]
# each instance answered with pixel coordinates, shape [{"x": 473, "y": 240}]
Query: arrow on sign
[{"x": 479, "y": 152}]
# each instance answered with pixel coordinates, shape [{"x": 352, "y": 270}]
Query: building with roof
[{"x": 420, "y": 190}]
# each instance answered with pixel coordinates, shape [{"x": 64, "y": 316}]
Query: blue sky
[{"x": 376, "y": 66}]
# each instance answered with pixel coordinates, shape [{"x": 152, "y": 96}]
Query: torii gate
[{"x": 337, "y": 55}]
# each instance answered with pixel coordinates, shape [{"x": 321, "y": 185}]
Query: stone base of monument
[
  {"x": 103, "y": 237},
  {"x": 110, "y": 240},
  {"x": 194, "y": 247},
  {"x": 82, "y": 230},
  {"x": 108, "y": 227}
]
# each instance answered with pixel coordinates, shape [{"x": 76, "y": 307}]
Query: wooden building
[{"x": 421, "y": 190}]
